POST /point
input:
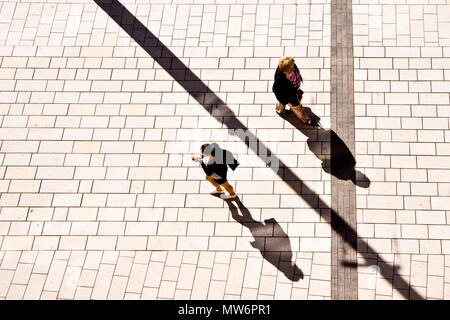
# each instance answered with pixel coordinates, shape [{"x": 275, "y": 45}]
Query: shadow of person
[
  {"x": 342, "y": 162},
  {"x": 270, "y": 240}
]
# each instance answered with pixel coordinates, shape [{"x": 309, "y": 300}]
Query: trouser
[
  {"x": 218, "y": 186},
  {"x": 299, "y": 110},
  {"x": 281, "y": 107}
]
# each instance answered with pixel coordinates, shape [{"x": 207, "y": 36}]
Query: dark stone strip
[{"x": 344, "y": 276}]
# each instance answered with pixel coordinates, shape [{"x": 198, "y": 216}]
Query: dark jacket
[
  {"x": 220, "y": 163},
  {"x": 216, "y": 170},
  {"x": 284, "y": 89}
]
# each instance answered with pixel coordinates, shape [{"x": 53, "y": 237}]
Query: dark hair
[{"x": 206, "y": 149}]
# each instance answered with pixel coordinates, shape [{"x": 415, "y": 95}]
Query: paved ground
[
  {"x": 99, "y": 197},
  {"x": 402, "y": 117}
]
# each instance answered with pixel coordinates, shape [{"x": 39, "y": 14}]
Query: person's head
[
  {"x": 207, "y": 150},
  {"x": 286, "y": 64}
]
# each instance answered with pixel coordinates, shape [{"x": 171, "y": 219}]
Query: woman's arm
[{"x": 207, "y": 169}]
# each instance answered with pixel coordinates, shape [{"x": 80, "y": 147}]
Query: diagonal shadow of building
[
  {"x": 270, "y": 240},
  {"x": 207, "y": 99}
]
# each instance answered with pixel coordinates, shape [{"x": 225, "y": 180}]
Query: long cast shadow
[
  {"x": 341, "y": 163},
  {"x": 206, "y": 98},
  {"x": 270, "y": 240}
]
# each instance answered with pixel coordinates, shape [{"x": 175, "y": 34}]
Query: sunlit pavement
[{"x": 100, "y": 198}]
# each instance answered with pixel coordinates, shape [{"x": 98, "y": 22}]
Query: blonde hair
[{"x": 286, "y": 63}]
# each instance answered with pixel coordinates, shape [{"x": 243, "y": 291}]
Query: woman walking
[
  {"x": 215, "y": 166},
  {"x": 287, "y": 89}
]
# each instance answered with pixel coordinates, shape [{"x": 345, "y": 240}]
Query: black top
[
  {"x": 216, "y": 170},
  {"x": 217, "y": 167},
  {"x": 284, "y": 89}
]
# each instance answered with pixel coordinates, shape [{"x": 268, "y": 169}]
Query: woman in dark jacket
[
  {"x": 215, "y": 162},
  {"x": 287, "y": 88}
]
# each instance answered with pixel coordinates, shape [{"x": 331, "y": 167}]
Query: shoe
[
  {"x": 278, "y": 105},
  {"x": 216, "y": 192},
  {"x": 300, "y": 112},
  {"x": 226, "y": 197},
  {"x": 283, "y": 113},
  {"x": 306, "y": 119}
]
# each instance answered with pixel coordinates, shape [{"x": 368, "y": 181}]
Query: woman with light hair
[{"x": 287, "y": 89}]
